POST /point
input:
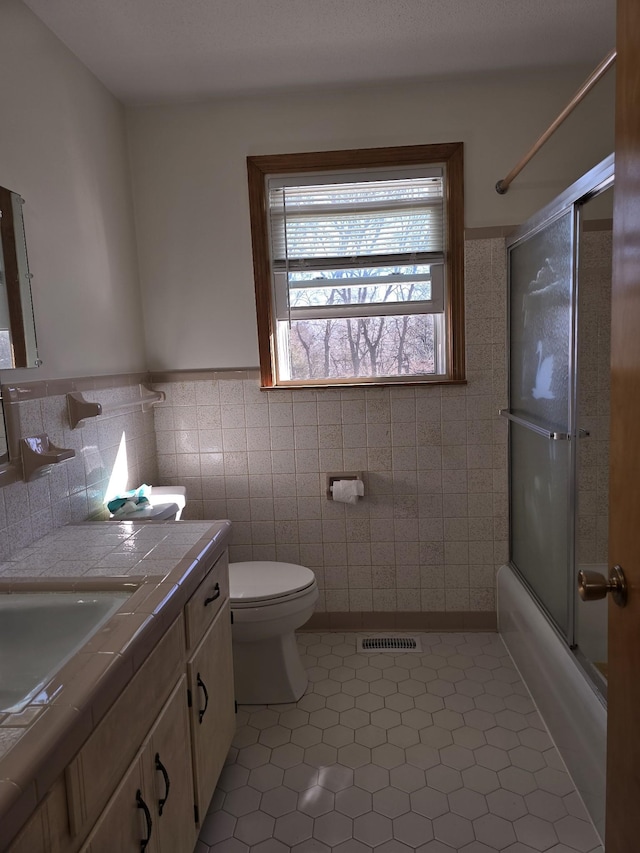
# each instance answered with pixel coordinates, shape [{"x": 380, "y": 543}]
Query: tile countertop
[{"x": 163, "y": 563}]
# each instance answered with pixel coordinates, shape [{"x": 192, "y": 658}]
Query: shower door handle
[{"x": 593, "y": 585}]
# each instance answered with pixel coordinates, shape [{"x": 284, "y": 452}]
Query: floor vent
[{"x": 389, "y": 644}]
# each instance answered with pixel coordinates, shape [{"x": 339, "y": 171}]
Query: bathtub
[{"x": 572, "y": 710}]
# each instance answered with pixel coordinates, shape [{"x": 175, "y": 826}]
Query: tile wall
[
  {"x": 74, "y": 490},
  {"x": 432, "y": 528}
]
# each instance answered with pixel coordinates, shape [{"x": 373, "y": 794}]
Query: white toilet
[{"x": 269, "y": 601}]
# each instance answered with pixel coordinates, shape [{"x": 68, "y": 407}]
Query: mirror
[{"x": 18, "y": 346}]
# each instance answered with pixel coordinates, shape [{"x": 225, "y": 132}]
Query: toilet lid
[{"x": 257, "y": 580}]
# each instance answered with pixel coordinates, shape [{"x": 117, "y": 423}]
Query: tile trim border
[
  {"x": 462, "y": 620},
  {"x": 213, "y": 374},
  {"x": 18, "y": 392},
  {"x": 492, "y": 232},
  {"x": 488, "y": 232}
]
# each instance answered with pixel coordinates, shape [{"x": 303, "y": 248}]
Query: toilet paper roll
[{"x": 347, "y": 491}]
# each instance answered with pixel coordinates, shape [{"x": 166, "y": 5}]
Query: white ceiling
[{"x": 165, "y": 50}]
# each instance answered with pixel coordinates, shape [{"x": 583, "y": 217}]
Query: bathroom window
[{"x": 358, "y": 261}]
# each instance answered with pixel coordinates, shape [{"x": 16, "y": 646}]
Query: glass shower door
[{"x": 541, "y": 273}]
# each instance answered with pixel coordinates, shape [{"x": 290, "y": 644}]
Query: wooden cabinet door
[
  {"x": 213, "y": 723},
  {"x": 171, "y": 786},
  {"x": 123, "y": 825}
]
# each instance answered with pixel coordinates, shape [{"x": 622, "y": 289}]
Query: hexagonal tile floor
[{"x": 436, "y": 752}]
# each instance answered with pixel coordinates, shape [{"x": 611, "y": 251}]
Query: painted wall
[
  {"x": 189, "y": 173},
  {"x": 63, "y": 148}
]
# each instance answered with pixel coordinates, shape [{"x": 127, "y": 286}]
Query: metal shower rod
[{"x": 503, "y": 185}]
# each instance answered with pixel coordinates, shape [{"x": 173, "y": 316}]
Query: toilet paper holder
[{"x": 344, "y": 475}]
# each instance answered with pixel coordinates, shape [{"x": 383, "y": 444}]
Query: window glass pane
[
  {"x": 359, "y": 347},
  {"x": 351, "y": 287},
  {"x": 345, "y": 271}
]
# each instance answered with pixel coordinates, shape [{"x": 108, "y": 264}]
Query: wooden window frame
[{"x": 449, "y": 154}]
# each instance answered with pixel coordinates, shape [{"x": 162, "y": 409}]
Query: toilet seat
[
  {"x": 260, "y": 583},
  {"x": 265, "y": 603}
]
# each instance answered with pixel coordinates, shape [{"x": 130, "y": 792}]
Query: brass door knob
[{"x": 593, "y": 585}]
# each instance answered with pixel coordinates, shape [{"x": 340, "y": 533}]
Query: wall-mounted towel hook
[{"x": 79, "y": 409}]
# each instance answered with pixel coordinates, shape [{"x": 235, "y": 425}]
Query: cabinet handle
[
  {"x": 216, "y": 594},
  {"x": 147, "y": 814},
  {"x": 162, "y": 800},
  {"x": 201, "y": 683}
]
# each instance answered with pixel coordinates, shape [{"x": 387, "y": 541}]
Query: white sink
[{"x": 40, "y": 632}]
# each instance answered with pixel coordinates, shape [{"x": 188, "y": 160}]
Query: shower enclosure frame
[
  {"x": 571, "y": 704},
  {"x": 594, "y": 182}
]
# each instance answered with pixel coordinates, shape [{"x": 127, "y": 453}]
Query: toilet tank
[{"x": 169, "y": 495}]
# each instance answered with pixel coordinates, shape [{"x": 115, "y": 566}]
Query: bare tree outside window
[{"x": 363, "y": 346}]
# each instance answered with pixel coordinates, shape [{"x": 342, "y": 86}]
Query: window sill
[{"x": 322, "y": 386}]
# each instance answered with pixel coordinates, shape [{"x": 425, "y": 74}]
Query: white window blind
[{"x": 357, "y": 244}]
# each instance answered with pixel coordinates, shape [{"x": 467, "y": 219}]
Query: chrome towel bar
[{"x": 539, "y": 430}]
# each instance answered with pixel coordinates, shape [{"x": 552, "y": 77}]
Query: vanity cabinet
[
  {"x": 152, "y": 808},
  {"x": 149, "y": 768}
]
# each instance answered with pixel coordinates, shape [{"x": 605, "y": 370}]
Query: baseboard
[{"x": 460, "y": 620}]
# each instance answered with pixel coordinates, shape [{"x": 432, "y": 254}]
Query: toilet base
[{"x": 268, "y": 671}]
